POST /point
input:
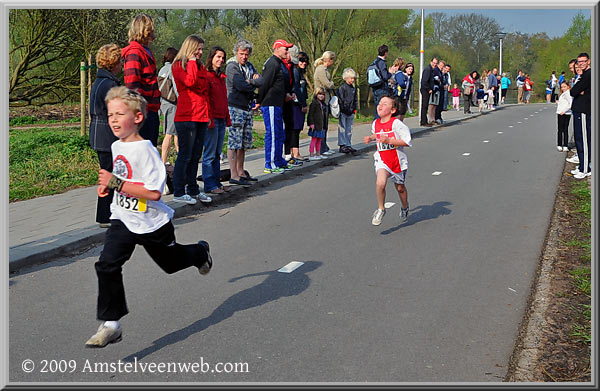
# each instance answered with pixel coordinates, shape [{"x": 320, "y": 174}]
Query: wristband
[{"x": 115, "y": 183}]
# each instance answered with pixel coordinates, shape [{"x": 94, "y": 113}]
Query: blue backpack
[{"x": 374, "y": 75}]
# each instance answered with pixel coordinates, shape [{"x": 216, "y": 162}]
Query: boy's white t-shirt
[
  {"x": 139, "y": 162},
  {"x": 396, "y": 161}
]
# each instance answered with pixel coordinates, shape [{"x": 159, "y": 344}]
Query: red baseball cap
[{"x": 280, "y": 42}]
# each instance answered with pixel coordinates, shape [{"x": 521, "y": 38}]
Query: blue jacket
[
  {"x": 101, "y": 136},
  {"x": 300, "y": 86},
  {"x": 493, "y": 80},
  {"x": 385, "y": 74},
  {"x": 505, "y": 82},
  {"x": 405, "y": 82}
]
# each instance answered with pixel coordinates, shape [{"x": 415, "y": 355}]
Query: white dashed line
[
  {"x": 466, "y": 154},
  {"x": 388, "y": 205},
  {"x": 502, "y": 132},
  {"x": 519, "y": 122},
  {"x": 511, "y": 126},
  {"x": 290, "y": 267},
  {"x": 486, "y": 141},
  {"x": 436, "y": 173}
]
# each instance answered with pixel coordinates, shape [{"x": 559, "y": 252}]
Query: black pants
[
  {"x": 103, "y": 205},
  {"x": 149, "y": 130},
  {"x": 424, "y": 106},
  {"x": 440, "y": 107},
  {"x": 467, "y": 107},
  {"x": 288, "y": 126},
  {"x": 563, "y": 130},
  {"x": 119, "y": 244}
]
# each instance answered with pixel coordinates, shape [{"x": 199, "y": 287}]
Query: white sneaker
[
  {"x": 575, "y": 171},
  {"x": 377, "y": 216},
  {"x": 573, "y": 159},
  {"x": 202, "y": 197},
  {"x": 560, "y": 149},
  {"x": 313, "y": 158},
  {"x": 185, "y": 198},
  {"x": 581, "y": 175},
  {"x": 330, "y": 152},
  {"x": 565, "y": 149}
]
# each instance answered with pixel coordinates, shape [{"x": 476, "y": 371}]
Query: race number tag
[
  {"x": 385, "y": 147},
  {"x": 131, "y": 204}
]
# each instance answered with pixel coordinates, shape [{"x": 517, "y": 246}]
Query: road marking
[
  {"x": 511, "y": 289},
  {"x": 466, "y": 154},
  {"x": 502, "y": 132},
  {"x": 290, "y": 267},
  {"x": 526, "y": 118},
  {"x": 531, "y": 115},
  {"x": 436, "y": 173},
  {"x": 511, "y": 126},
  {"x": 519, "y": 122},
  {"x": 388, "y": 205},
  {"x": 486, "y": 141}
]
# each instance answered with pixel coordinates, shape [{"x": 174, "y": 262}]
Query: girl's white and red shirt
[{"x": 393, "y": 158}]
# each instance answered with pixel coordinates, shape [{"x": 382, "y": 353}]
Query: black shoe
[
  {"x": 249, "y": 178},
  {"x": 242, "y": 182},
  {"x": 352, "y": 150},
  {"x": 206, "y": 266}
]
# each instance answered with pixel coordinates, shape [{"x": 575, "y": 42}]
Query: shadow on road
[
  {"x": 274, "y": 287},
  {"x": 422, "y": 213}
]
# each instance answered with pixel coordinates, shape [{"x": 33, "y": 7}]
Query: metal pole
[
  {"x": 421, "y": 56},
  {"x": 82, "y": 98},
  {"x": 500, "y": 56}
]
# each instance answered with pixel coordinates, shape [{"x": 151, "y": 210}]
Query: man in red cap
[{"x": 271, "y": 96}]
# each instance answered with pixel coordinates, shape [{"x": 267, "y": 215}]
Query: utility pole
[{"x": 421, "y": 56}]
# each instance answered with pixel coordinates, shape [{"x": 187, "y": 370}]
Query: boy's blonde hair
[
  {"x": 348, "y": 72},
  {"x": 327, "y": 55},
  {"x": 108, "y": 56},
  {"x": 188, "y": 47},
  {"x": 131, "y": 98},
  {"x": 141, "y": 29}
]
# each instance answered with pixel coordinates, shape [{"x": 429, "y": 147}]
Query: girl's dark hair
[
  {"x": 211, "y": 54},
  {"x": 410, "y": 64},
  {"x": 303, "y": 57},
  {"x": 170, "y": 54}
]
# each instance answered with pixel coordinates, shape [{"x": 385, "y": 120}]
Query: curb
[{"x": 83, "y": 239}]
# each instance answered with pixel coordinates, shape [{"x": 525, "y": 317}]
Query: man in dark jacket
[
  {"x": 440, "y": 82},
  {"x": 271, "y": 96},
  {"x": 382, "y": 88},
  {"x": 582, "y": 117},
  {"x": 426, "y": 90},
  {"x": 242, "y": 79}
]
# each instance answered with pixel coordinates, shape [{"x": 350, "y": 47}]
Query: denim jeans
[
  {"x": 211, "y": 162},
  {"x": 149, "y": 130},
  {"x": 345, "y": 129},
  {"x": 191, "y": 140}
]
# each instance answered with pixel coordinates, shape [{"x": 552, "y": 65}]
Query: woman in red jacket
[
  {"x": 219, "y": 116},
  {"x": 139, "y": 72},
  {"x": 191, "y": 119}
]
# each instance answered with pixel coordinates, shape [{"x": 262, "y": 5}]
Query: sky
[{"x": 554, "y": 22}]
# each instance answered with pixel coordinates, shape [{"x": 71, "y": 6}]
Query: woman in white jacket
[{"x": 563, "y": 111}]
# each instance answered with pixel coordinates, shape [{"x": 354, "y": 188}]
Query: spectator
[
  {"x": 563, "y": 111},
  {"x": 139, "y": 69},
  {"x": 582, "y": 117},
  {"x": 300, "y": 61},
  {"x": 384, "y": 74},
  {"x": 555, "y": 87},
  {"x": 219, "y": 120},
  {"x": 520, "y": 87},
  {"x": 481, "y": 98},
  {"x": 167, "y": 108},
  {"x": 527, "y": 88},
  {"x": 191, "y": 119},
  {"x": 426, "y": 91},
  {"x": 404, "y": 83},
  {"x": 441, "y": 73},
  {"x": 315, "y": 121},
  {"x": 288, "y": 109},
  {"x": 322, "y": 79},
  {"x": 447, "y": 83},
  {"x": 468, "y": 86},
  {"x": 504, "y": 84},
  {"x": 455, "y": 97},
  {"x": 242, "y": 79},
  {"x": 561, "y": 78},
  {"x": 493, "y": 85},
  {"x": 348, "y": 103},
  {"x": 108, "y": 59},
  {"x": 271, "y": 96},
  {"x": 548, "y": 90}
]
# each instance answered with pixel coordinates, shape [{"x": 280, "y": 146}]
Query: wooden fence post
[{"x": 82, "y": 99}]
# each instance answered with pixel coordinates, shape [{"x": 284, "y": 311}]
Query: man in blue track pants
[
  {"x": 271, "y": 96},
  {"x": 582, "y": 117}
]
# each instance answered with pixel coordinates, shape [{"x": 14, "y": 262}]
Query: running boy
[
  {"x": 138, "y": 216},
  {"x": 391, "y": 135}
]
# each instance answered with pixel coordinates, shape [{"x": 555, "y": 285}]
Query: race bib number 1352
[{"x": 131, "y": 204}]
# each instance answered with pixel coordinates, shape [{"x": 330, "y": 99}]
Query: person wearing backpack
[
  {"x": 378, "y": 75},
  {"x": 168, "y": 102}
]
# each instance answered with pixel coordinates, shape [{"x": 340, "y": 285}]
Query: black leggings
[
  {"x": 563, "y": 130},
  {"x": 292, "y": 140}
]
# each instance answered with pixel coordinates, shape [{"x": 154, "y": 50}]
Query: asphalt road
[{"x": 437, "y": 299}]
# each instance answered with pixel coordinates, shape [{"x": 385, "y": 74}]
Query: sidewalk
[{"x": 45, "y": 228}]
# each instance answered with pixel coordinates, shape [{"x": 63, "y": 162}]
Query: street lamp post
[{"x": 501, "y": 35}]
